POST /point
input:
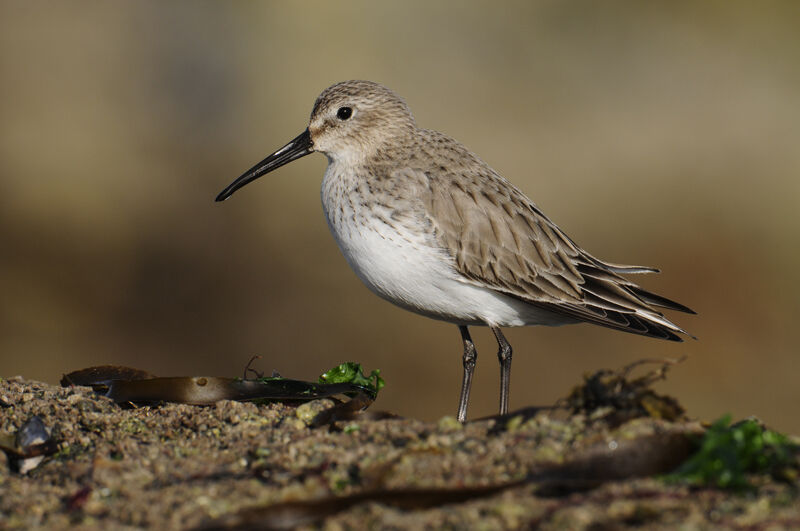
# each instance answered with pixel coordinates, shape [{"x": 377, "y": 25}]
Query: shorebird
[{"x": 430, "y": 227}]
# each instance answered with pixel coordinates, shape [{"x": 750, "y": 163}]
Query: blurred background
[{"x": 663, "y": 134}]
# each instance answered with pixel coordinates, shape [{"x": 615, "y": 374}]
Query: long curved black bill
[{"x": 299, "y": 147}]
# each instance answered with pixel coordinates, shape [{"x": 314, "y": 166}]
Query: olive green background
[{"x": 655, "y": 133}]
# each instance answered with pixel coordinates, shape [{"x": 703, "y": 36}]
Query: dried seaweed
[{"x": 625, "y": 398}]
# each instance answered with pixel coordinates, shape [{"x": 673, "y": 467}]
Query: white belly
[{"x": 403, "y": 267}]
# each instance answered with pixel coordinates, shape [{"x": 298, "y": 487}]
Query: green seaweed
[
  {"x": 352, "y": 372},
  {"x": 729, "y": 455}
]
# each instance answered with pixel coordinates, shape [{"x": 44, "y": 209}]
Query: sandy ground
[{"x": 243, "y": 465}]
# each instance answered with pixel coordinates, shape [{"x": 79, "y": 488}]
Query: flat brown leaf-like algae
[
  {"x": 126, "y": 385},
  {"x": 180, "y": 466}
]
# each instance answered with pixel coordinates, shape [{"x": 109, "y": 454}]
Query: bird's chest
[{"x": 388, "y": 246}]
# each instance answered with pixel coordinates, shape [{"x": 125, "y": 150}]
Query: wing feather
[{"x": 499, "y": 239}]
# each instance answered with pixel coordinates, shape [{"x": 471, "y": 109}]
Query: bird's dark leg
[
  {"x": 504, "y": 355},
  {"x": 470, "y": 356}
]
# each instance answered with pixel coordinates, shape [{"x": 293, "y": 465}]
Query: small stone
[
  {"x": 449, "y": 423},
  {"x": 308, "y": 412}
]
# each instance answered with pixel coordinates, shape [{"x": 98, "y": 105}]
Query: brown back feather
[{"x": 498, "y": 238}]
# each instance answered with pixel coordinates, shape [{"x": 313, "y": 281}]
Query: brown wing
[{"x": 499, "y": 239}]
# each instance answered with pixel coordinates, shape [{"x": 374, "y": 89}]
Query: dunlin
[{"x": 430, "y": 227}]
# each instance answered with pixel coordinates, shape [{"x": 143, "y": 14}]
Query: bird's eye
[{"x": 344, "y": 113}]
